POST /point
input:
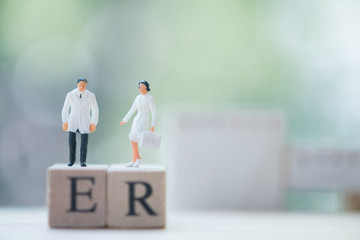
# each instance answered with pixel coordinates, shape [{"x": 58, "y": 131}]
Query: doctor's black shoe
[
  {"x": 83, "y": 164},
  {"x": 70, "y": 164}
]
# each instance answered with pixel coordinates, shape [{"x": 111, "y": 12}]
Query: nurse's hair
[{"x": 146, "y": 84}]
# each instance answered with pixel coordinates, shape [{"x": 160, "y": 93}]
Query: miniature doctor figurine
[
  {"x": 144, "y": 103},
  {"x": 79, "y": 114}
]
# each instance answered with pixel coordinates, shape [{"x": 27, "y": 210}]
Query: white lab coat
[
  {"x": 80, "y": 113},
  {"x": 144, "y": 104}
]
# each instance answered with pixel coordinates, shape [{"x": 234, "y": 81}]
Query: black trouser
[{"x": 83, "y": 148}]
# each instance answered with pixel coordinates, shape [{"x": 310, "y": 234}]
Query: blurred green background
[{"x": 298, "y": 56}]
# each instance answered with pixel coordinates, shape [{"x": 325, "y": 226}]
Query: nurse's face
[
  {"x": 81, "y": 86},
  {"x": 142, "y": 88}
]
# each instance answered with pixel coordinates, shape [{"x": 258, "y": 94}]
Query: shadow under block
[
  {"x": 76, "y": 196},
  {"x": 136, "y": 197}
]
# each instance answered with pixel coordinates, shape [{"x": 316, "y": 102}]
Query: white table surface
[{"x": 31, "y": 223}]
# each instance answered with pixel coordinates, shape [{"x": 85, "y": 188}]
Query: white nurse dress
[{"x": 144, "y": 104}]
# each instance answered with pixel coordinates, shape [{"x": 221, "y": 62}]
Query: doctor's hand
[
  {"x": 92, "y": 127},
  {"x": 122, "y": 123},
  {"x": 65, "y": 126},
  {"x": 152, "y": 129}
]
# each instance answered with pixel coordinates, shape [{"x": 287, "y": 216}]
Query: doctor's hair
[
  {"x": 146, "y": 84},
  {"x": 81, "y": 79}
]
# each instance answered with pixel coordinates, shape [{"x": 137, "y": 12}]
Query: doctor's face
[{"x": 81, "y": 86}]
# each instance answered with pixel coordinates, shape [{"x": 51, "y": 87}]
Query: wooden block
[
  {"x": 352, "y": 201},
  {"x": 76, "y": 196},
  {"x": 136, "y": 197}
]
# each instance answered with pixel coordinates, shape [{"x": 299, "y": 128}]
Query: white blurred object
[
  {"x": 235, "y": 158},
  {"x": 325, "y": 169},
  {"x": 150, "y": 140}
]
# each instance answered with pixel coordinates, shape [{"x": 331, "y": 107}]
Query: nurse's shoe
[
  {"x": 137, "y": 162},
  {"x": 130, "y": 164}
]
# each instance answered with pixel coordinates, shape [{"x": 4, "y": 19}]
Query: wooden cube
[
  {"x": 352, "y": 201},
  {"x": 76, "y": 196},
  {"x": 136, "y": 197}
]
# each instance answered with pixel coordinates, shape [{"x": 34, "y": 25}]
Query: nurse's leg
[{"x": 135, "y": 148}]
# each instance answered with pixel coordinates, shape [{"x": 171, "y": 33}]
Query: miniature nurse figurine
[
  {"x": 80, "y": 114},
  {"x": 144, "y": 103}
]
